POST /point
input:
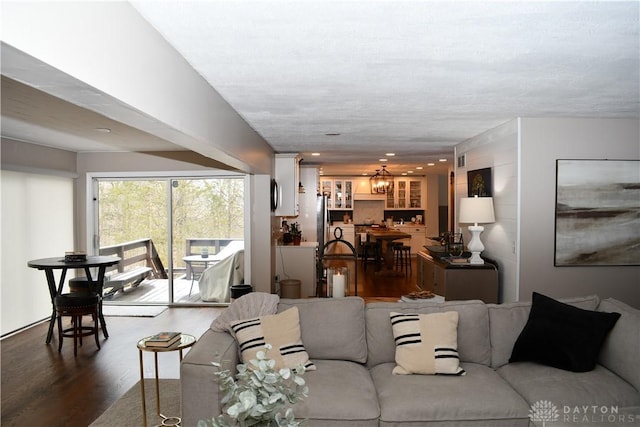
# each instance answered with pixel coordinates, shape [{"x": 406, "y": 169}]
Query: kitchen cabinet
[
  {"x": 287, "y": 174},
  {"x": 418, "y": 237},
  {"x": 339, "y": 192},
  {"x": 408, "y": 193},
  {"x": 362, "y": 190},
  {"x": 348, "y": 233},
  {"x": 299, "y": 263},
  {"x": 457, "y": 281}
]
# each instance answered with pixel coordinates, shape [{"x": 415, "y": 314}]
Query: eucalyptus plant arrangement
[{"x": 258, "y": 394}]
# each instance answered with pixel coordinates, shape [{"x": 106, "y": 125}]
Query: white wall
[
  {"x": 496, "y": 149},
  {"x": 543, "y": 141},
  {"x": 72, "y": 51},
  {"x": 522, "y": 154}
]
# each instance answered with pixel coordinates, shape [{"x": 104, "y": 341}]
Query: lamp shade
[{"x": 477, "y": 210}]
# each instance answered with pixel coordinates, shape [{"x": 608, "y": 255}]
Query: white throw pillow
[
  {"x": 281, "y": 331},
  {"x": 426, "y": 343}
]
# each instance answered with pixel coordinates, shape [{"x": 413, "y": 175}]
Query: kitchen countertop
[{"x": 301, "y": 245}]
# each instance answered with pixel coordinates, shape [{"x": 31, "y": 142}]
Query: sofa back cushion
[
  {"x": 507, "y": 321},
  {"x": 331, "y": 328},
  {"x": 473, "y": 329},
  {"x": 622, "y": 347}
]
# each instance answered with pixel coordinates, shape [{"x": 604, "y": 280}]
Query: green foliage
[
  {"x": 258, "y": 394},
  {"x": 294, "y": 230},
  {"x": 136, "y": 209}
]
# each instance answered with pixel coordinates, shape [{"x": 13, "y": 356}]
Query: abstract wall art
[{"x": 597, "y": 216}]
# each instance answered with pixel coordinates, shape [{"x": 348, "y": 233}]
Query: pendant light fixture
[{"x": 382, "y": 181}]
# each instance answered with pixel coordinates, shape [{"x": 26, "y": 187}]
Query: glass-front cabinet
[
  {"x": 407, "y": 194},
  {"x": 326, "y": 187},
  {"x": 339, "y": 192}
]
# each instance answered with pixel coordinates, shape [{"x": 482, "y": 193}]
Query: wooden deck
[{"x": 156, "y": 291}]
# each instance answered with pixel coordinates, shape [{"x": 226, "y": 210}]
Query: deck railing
[{"x": 135, "y": 254}]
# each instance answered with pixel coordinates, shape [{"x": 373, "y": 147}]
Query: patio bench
[{"x": 117, "y": 281}]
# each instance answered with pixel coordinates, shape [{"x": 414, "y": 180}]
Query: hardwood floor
[{"x": 41, "y": 387}]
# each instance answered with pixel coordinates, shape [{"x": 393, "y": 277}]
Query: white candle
[{"x": 338, "y": 285}]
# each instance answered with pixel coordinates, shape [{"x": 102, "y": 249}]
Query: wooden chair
[{"x": 76, "y": 305}]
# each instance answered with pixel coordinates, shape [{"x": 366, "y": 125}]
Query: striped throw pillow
[
  {"x": 426, "y": 343},
  {"x": 281, "y": 331}
]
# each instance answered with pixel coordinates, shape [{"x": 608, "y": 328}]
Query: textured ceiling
[{"x": 414, "y": 78}]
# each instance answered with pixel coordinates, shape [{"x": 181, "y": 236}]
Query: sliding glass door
[{"x": 167, "y": 231}]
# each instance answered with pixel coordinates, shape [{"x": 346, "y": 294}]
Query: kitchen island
[{"x": 385, "y": 237}]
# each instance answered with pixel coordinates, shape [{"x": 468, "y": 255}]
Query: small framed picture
[{"x": 479, "y": 183}]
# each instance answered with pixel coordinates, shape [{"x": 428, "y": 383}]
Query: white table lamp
[{"x": 476, "y": 210}]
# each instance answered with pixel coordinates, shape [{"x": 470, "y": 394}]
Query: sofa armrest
[
  {"x": 621, "y": 348},
  {"x": 200, "y": 393}
]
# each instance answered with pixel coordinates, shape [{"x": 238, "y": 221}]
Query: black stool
[
  {"x": 369, "y": 247},
  {"x": 76, "y": 305},
  {"x": 402, "y": 256}
]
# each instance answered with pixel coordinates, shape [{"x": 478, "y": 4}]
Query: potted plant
[
  {"x": 259, "y": 394},
  {"x": 296, "y": 233}
]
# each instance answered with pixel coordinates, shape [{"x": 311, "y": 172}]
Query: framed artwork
[
  {"x": 479, "y": 183},
  {"x": 597, "y": 218}
]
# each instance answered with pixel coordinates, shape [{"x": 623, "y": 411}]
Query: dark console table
[{"x": 457, "y": 281}]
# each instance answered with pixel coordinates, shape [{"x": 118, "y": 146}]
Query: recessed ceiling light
[
  {"x": 103, "y": 130},
  {"x": 409, "y": 171},
  {"x": 382, "y": 160},
  {"x": 431, "y": 164},
  {"x": 419, "y": 168},
  {"x": 389, "y": 154},
  {"x": 403, "y": 174},
  {"x": 364, "y": 174},
  {"x": 315, "y": 154},
  {"x": 442, "y": 160}
]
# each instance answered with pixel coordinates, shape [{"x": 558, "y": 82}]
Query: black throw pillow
[{"x": 562, "y": 336}]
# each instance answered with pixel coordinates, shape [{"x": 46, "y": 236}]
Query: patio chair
[{"x": 215, "y": 282}]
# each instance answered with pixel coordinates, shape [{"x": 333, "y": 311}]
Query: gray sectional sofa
[{"x": 353, "y": 347}]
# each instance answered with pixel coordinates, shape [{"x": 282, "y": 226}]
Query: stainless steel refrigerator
[
  {"x": 323, "y": 221},
  {"x": 322, "y": 224}
]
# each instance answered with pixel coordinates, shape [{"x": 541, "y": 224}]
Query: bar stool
[
  {"x": 76, "y": 305},
  {"x": 402, "y": 256},
  {"x": 369, "y": 247}
]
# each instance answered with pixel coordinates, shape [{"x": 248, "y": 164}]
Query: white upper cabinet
[
  {"x": 408, "y": 193},
  {"x": 287, "y": 172},
  {"x": 339, "y": 192}
]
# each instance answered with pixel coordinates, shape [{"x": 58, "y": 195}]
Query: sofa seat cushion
[
  {"x": 601, "y": 387},
  {"x": 480, "y": 398},
  {"x": 473, "y": 329},
  {"x": 340, "y": 393}
]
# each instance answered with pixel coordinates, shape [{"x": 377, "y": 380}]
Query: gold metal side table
[{"x": 186, "y": 341}]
